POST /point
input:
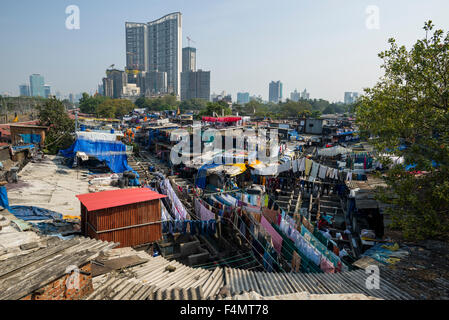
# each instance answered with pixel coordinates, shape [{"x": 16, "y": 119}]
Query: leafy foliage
[
  {"x": 168, "y": 102},
  {"x": 216, "y": 107},
  {"x": 114, "y": 108},
  {"x": 89, "y": 104},
  {"x": 60, "y": 134},
  {"x": 409, "y": 107}
]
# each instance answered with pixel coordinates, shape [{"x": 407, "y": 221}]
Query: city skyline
[{"x": 327, "y": 51}]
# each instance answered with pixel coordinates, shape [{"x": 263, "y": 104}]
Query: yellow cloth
[
  {"x": 255, "y": 163},
  {"x": 16, "y": 119},
  {"x": 242, "y": 167},
  {"x": 395, "y": 247},
  {"x": 308, "y": 166},
  {"x": 66, "y": 217}
]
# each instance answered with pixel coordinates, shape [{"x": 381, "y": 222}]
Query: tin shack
[{"x": 129, "y": 216}]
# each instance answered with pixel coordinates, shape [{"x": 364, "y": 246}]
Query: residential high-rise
[
  {"x": 24, "y": 90},
  {"x": 275, "y": 91},
  {"x": 37, "y": 85},
  {"x": 136, "y": 46},
  {"x": 154, "y": 83},
  {"x": 47, "y": 91},
  {"x": 114, "y": 83},
  {"x": 164, "y": 49},
  {"x": 108, "y": 87},
  {"x": 195, "y": 84},
  {"x": 351, "y": 97},
  {"x": 188, "y": 59},
  {"x": 295, "y": 96},
  {"x": 243, "y": 97},
  {"x": 305, "y": 95},
  {"x": 156, "y": 47}
]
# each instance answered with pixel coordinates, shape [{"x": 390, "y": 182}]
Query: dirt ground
[{"x": 424, "y": 273}]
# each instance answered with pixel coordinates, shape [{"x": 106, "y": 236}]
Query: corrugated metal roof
[
  {"x": 273, "y": 284},
  {"x": 115, "y": 198},
  {"x": 22, "y": 275},
  {"x": 302, "y": 296}
]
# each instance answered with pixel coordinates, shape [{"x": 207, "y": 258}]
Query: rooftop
[{"x": 116, "y": 198}]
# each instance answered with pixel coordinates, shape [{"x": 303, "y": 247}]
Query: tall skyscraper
[
  {"x": 275, "y": 91},
  {"x": 37, "y": 85},
  {"x": 195, "y": 84},
  {"x": 156, "y": 47},
  {"x": 242, "y": 97},
  {"x": 136, "y": 46},
  {"x": 295, "y": 96},
  {"x": 24, "y": 90},
  {"x": 164, "y": 49},
  {"x": 188, "y": 59}
]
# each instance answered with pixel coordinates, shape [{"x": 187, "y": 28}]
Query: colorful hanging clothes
[{"x": 275, "y": 237}]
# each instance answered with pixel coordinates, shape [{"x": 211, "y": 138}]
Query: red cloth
[
  {"x": 221, "y": 119},
  {"x": 275, "y": 237}
]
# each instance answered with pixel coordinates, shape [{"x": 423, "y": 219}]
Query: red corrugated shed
[{"x": 116, "y": 198}]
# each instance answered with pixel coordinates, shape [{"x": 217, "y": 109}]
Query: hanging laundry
[
  {"x": 308, "y": 166},
  {"x": 276, "y": 238},
  {"x": 314, "y": 171},
  {"x": 322, "y": 172}
]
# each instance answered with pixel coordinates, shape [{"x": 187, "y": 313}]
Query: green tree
[
  {"x": 114, "y": 108},
  {"x": 61, "y": 128},
  {"x": 409, "y": 107},
  {"x": 89, "y": 104},
  {"x": 216, "y": 107}
]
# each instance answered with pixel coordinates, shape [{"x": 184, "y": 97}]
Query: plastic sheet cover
[{"x": 112, "y": 152}]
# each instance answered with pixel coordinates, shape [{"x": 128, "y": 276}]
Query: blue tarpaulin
[
  {"x": 112, "y": 152},
  {"x": 34, "y": 213},
  {"x": 4, "y": 199},
  {"x": 202, "y": 173}
]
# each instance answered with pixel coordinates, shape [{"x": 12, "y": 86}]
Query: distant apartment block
[
  {"x": 195, "y": 84},
  {"x": 295, "y": 96},
  {"x": 351, "y": 97},
  {"x": 188, "y": 59},
  {"x": 47, "y": 91},
  {"x": 243, "y": 97},
  {"x": 24, "y": 90},
  {"x": 305, "y": 95},
  {"x": 275, "y": 92},
  {"x": 153, "y": 83},
  {"x": 37, "y": 84},
  {"x": 114, "y": 82}
]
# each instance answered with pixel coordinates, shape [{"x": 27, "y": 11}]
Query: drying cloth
[
  {"x": 308, "y": 166},
  {"x": 314, "y": 171},
  {"x": 322, "y": 172},
  {"x": 275, "y": 237}
]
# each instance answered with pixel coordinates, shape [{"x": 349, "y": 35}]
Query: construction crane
[{"x": 189, "y": 40}]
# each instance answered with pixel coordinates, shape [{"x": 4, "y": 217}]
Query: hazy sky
[{"x": 322, "y": 45}]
